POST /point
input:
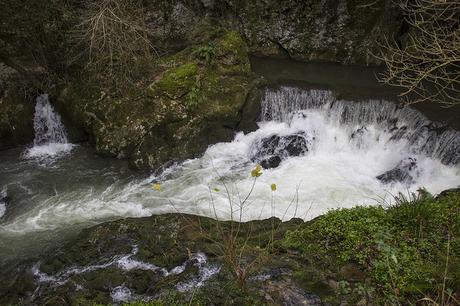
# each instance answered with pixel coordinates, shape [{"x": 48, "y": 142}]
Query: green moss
[
  {"x": 233, "y": 54},
  {"x": 344, "y": 234},
  {"x": 179, "y": 80},
  {"x": 402, "y": 250}
]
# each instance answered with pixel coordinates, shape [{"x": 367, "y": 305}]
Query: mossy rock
[
  {"x": 354, "y": 256},
  {"x": 166, "y": 241},
  {"x": 187, "y": 103},
  {"x": 178, "y": 81}
]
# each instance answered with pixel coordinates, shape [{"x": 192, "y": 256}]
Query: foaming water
[
  {"x": 126, "y": 263},
  {"x": 352, "y": 153},
  {"x": 50, "y": 135}
]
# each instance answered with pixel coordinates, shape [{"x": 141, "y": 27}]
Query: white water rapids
[{"x": 349, "y": 145}]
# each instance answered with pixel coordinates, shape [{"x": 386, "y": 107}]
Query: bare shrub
[
  {"x": 426, "y": 65},
  {"x": 114, "y": 38}
]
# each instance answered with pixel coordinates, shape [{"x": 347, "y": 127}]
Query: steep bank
[{"x": 345, "y": 31}]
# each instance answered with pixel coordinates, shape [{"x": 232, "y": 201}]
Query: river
[{"x": 322, "y": 149}]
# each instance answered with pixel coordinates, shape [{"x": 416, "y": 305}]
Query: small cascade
[
  {"x": 47, "y": 123},
  {"x": 401, "y": 123},
  {"x": 50, "y": 134}
]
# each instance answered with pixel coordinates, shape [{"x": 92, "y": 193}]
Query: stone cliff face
[{"x": 345, "y": 31}]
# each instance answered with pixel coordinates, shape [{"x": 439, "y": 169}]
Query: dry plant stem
[
  {"x": 427, "y": 66},
  {"x": 444, "y": 300},
  {"x": 273, "y": 219},
  {"x": 114, "y": 35},
  {"x": 446, "y": 269},
  {"x": 231, "y": 241}
]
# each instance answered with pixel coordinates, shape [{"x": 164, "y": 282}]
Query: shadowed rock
[
  {"x": 270, "y": 151},
  {"x": 402, "y": 173}
]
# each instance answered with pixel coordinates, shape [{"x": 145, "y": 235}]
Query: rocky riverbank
[{"x": 360, "y": 256}]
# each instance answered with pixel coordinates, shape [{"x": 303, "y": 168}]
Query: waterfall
[
  {"x": 47, "y": 123},
  {"x": 50, "y": 133},
  {"x": 401, "y": 122}
]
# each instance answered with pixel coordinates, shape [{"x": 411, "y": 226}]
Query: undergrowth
[{"x": 409, "y": 252}]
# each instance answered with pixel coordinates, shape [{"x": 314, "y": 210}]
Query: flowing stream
[{"x": 321, "y": 152}]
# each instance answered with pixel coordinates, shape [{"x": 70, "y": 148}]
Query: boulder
[
  {"x": 402, "y": 173},
  {"x": 270, "y": 151},
  {"x": 192, "y": 99}
]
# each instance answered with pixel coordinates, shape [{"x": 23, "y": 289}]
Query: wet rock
[
  {"x": 399, "y": 133},
  {"x": 358, "y": 132},
  {"x": 402, "y": 173},
  {"x": 285, "y": 292},
  {"x": 448, "y": 192},
  {"x": 270, "y": 151},
  {"x": 357, "y": 137},
  {"x": 149, "y": 258},
  {"x": 271, "y": 162}
]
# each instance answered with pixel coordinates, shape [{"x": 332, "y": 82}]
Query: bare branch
[
  {"x": 427, "y": 66},
  {"x": 114, "y": 36}
]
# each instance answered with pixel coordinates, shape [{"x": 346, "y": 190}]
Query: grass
[{"x": 409, "y": 252}]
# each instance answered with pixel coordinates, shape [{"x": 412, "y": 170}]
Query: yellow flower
[
  {"x": 257, "y": 171},
  {"x": 216, "y": 189},
  {"x": 273, "y": 187},
  {"x": 156, "y": 186}
]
